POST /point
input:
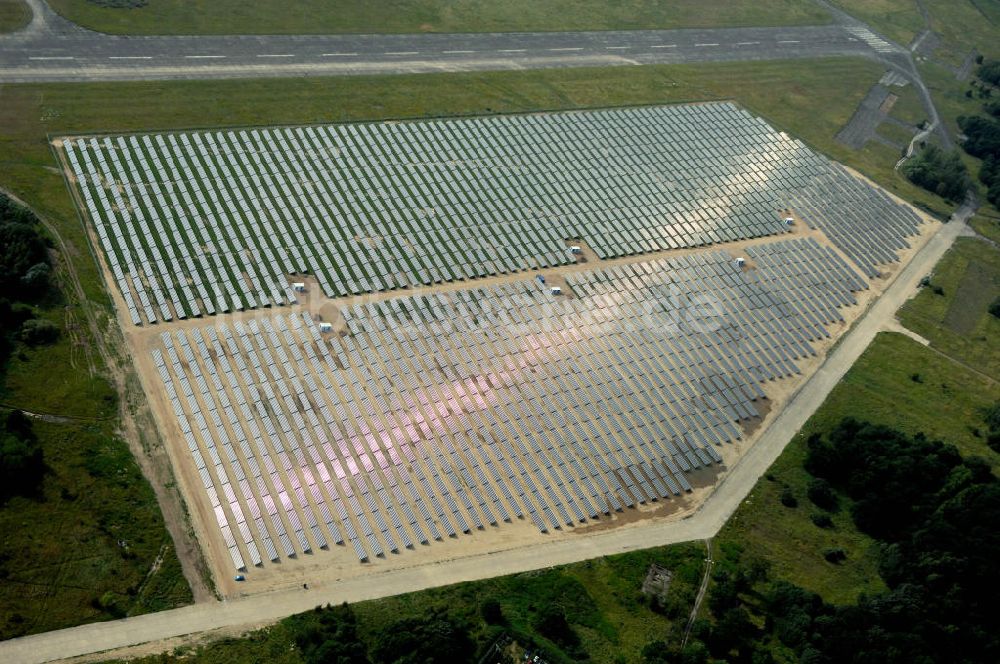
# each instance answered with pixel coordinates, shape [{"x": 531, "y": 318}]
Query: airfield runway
[{"x": 51, "y": 48}]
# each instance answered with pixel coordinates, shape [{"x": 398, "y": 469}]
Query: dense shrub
[
  {"x": 989, "y": 175},
  {"x": 436, "y": 638},
  {"x": 939, "y": 546},
  {"x": 990, "y": 72},
  {"x": 821, "y": 494},
  {"x": 21, "y": 463},
  {"x": 938, "y": 171},
  {"x": 37, "y": 332},
  {"x": 491, "y": 611},
  {"x": 834, "y": 555},
  {"x": 821, "y": 520},
  {"x": 982, "y": 135}
]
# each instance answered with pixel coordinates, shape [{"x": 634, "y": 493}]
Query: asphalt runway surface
[{"x": 51, "y": 48}]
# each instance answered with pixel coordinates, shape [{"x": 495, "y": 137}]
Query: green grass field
[
  {"x": 14, "y": 14},
  {"x": 908, "y": 107},
  {"x": 957, "y": 323},
  {"x": 986, "y": 224},
  {"x": 602, "y": 600},
  {"x": 91, "y": 545},
  {"x": 895, "y": 133},
  {"x": 945, "y": 404},
  {"x": 963, "y": 24},
  {"x": 899, "y": 20},
  {"x": 400, "y": 16},
  {"x": 612, "y": 621},
  {"x": 809, "y": 99}
]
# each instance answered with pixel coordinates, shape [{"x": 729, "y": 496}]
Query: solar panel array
[
  {"x": 433, "y": 416},
  {"x": 198, "y": 223}
]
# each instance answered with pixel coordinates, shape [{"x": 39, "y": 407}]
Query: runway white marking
[
  {"x": 788, "y": 41},
  {"x": 130, "y": 57},
  {"x": 458, "y": 51},
  {"x": 512, "y": 50},
  {"x": 664, "y": 46},
  {"x": 617, "y": 48},
  {"x": 51, "y": 57},
  {"x": 203, "y": 57},
  {"x": 575, "y": 48},
  {"x": 707, "y": 44},
  {"x": 746, "y": 43},
  {"x": 275, "y": 55},
  {"x": 402, "y": 52},
  {"x": 335, "y": 55}
]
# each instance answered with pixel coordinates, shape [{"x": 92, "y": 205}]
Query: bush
[
  {"x": 995, "y": 308},
  {"x": 834, "y": 555},
  {"x": 992, "y": 418},
  {"x": 821, "y": 494},
  {"x": 821, "y": 520},
  {"x": 788, "y": 498},
  {"x": 38, "y": 332},
  {"x": 491, "y": 612}
]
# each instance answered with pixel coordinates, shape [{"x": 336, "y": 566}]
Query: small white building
[
  {"x": 326, "y": 327},
  {"x": 789, "y": 221},
  {"x": 555, "y": 290},
  {"x": 299, "y": 287},
  {"x": 575, "y": 250},
  {"x": 740, "y": 262}
]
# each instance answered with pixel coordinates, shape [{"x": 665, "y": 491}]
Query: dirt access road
[{"x": 263, "y": 608}]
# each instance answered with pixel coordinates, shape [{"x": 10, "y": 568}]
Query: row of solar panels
[
  {"x": 531, "y": 420},
  {"x": 238, "y": 226}
]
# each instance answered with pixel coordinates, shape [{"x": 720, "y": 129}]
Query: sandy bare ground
[
  {"x": 160, "y": 631},
  {"x": 511, "y": 547},
  {"x": 137, "y": 426},
  {"x": 339, "y": 563}
]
